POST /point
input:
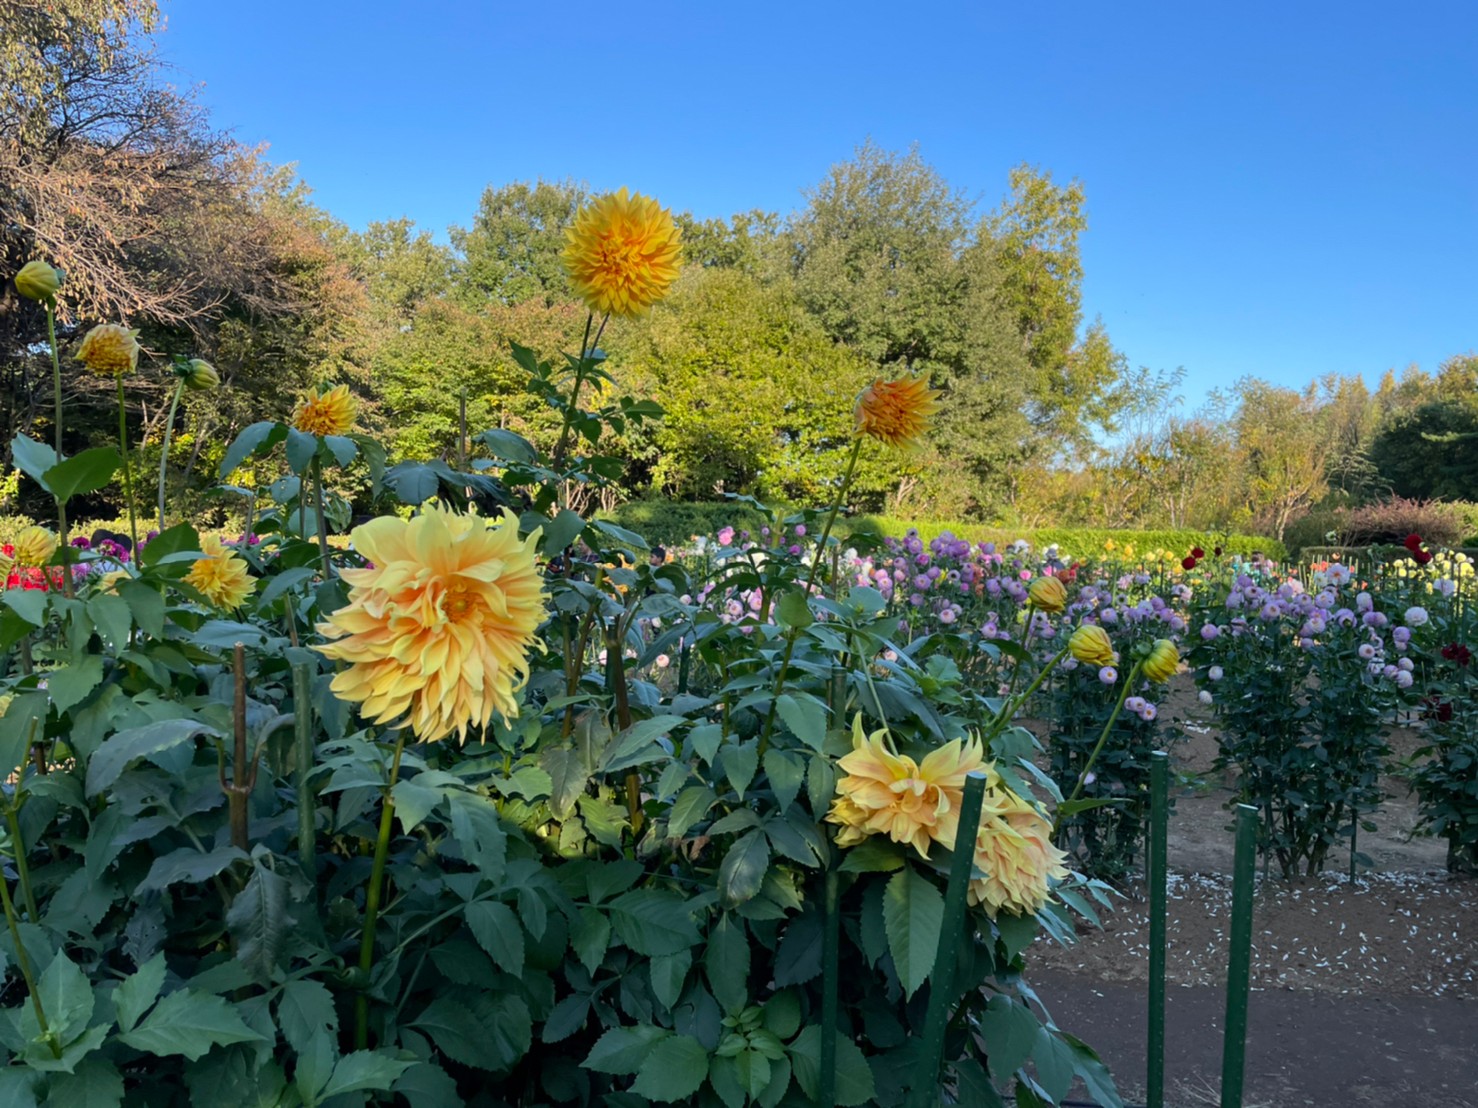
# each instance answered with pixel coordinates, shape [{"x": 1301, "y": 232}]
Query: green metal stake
[
  {"x": 303, "y": 751},
  {"x": 1159, "y": 820},
  {"x": 1239, "y": 965},
  {"x": 830, "y": 984},
  {"x": 941, "y": 983}
]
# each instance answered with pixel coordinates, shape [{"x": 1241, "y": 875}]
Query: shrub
[{"x": 1388, "y": 522}]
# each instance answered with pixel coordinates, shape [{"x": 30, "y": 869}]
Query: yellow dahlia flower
[
  {"x": 438, "y": 627},
  {"x": 220, "y": 574},
  {"x": 1047, "y": 594},
  {"x": 110, "y": 581},
  {"x": 1091, "y": 645},
  {"x": 897, "y": 412},
  {"x": 622, "y": 253},
  {"x": 38, "y": 281},
  {"x": 852, "y": 819},
  {"x": 34, "y": 546},
  {"x": 326, "y": 413},
  {"x": 911, "y": 802},
  {"x": 110, "y": 350},
  {"x": 1163, "y": 662},
  {"x": 1015, "y": 854}
]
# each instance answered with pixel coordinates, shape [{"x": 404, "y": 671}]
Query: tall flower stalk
[
  {"x": 40, "y": 282},
  {"x": 372, "y": 898}
]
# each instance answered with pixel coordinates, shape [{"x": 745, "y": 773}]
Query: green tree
[
  {"x": 511, "y": 253},
  {"x": 1284, "y": 452}
]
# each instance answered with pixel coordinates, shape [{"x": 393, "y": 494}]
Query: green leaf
[
  {"x": 189, "y": 1023},
  {"x": 29, "y": 604},
  {"x": 286, "y": 580},
  {"x": 478, "y": 831},
  {"x": 498, "y": 932},
  {"x": 258, "y": 438},
  {"x": 66, "y": 994},
  {"x": 259, "y": 921},
  {"x": 590, "y": 937},
  {"x": 792, "y": 611},
  {"x": 668, "y": 973},
  {"x": 653, "y": 922},
  {"x": 485, "y": 1030},
  {"x": 363, "y": 1069},
  {"x": 137, "y": 991},
  {"x": 638, "y": 744},
  {"x": 70, "y": 685},
  {"x": 188, "y": 864},
  {"x": 508, "y": 446},
  {"x": 624, "y": 1049},
  {"x": 1053, "y": 1060},
  {"x": 33, "y": 458},
  {"x": 110, "y": 759},
  {"x": 1096, "y": 1077},
  {"x": 95, "y": 1083},
  {"x": 691, "y": 805},
  {"x": 854, "y": 1076},
  {"x": 786, "y": 770},
  {"x": 306, "y": 1008},
  {"x": 301, "y": 449},
  {"x": 428, "y": 1086},
  {"x": 872, "y": 855},
  {"x": 740, "y": 763},
  {"x": 85, "y": 473},
  {"x": 806, "y": 718},
  {"x": 113, "y": 619},
  {"x": 743, "y": 869},
  {"x": 913, "y": 913},
  {"x": 413, "y": 803},
  {"x": 344, "y": 450},
  {"x": 567, "y": 1017},
  {"x": 568, "y": 776},
  {"x": 676, "y": 1069},
  {"x": 1010, "y": 1028},
  {"x": 726, "y": 964},
  {"x": 146, "y": 604}
]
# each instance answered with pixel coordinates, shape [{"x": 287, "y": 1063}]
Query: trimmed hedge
[{"x": 673, "y": 523}]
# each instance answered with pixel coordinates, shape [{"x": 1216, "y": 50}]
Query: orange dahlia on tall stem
[
  {"x": 897, "y": 413},
  {"x": 622, "y": 253}
]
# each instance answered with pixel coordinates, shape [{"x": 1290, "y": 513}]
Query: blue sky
[{"x": 1276, "y": 189}]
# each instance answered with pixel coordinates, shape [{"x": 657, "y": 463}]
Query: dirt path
[{"x": 1363, "y": 992}]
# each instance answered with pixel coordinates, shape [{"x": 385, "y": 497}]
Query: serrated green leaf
[
  {"x": 854, "y": 1076},
  {"x": 726, "y": 964},
  {"x": 498, "y": 932},
  {"x": 653, "y": 922},
  {"x": 913, "y": 913},
  {"x": 189, "y": 1023},
  {"x": 110, "y": 759},
  {"x": 1011, "y": 1030},
  {"x": 691, "y": 805},
  {"x": 624, "y": 1050},
  {"x": 742, "y": 871},
  {"x": 488, "y": 1031},
  {"x": 136, "y": 992},
  {"x": 363, "y": 1069},
  {"x": 805, "y": 716},
  {"x": 259, "y": 920},
  {"x": 675, "y": 1069}
]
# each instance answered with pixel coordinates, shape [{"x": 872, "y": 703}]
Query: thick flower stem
[
  {"x": 1102, "y": 738},
  {"x": 61, "y": 507},
  {"x": 133, "y": 523},
  {"x": 794, "y": 633},
  {"x": 558, "y": 457},
  {"x": 23, "y": 960},
  {"x": 22, "y": 867},
  {"x": 372, "y": 901},
  {"x": 322, "y": 517},
  {"x": 174, "y": 405}
]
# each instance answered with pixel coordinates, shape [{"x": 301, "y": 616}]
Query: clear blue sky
[{"x": 1279, "y": 189}]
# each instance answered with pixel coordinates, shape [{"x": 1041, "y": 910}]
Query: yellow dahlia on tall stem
[
  {"x": 896, "y": 413},
  {"x": 622, "y": 253},
  {"x": 439, "y": 626},
  {"x": 331, "y": 412}
]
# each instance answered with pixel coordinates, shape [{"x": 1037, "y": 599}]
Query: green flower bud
[
  {"x": 201, "y": 375},
  {"x": 38, "y": 281}
]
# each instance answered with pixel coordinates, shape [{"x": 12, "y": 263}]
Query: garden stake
[
  {"x": 1234, "y": 1044},
  {"x": 303, "y": 741},
  {"x": 244, "y": 774},
  {"x": 1159, "y": 803},
  {"x": 830, "y": 984},
  {"x": 941, "y": 983}
]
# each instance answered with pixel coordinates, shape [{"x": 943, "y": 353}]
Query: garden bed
[{"x": 1361, "y": 989}]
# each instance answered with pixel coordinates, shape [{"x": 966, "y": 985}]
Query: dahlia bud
[
  {"x": 1048, "y": 594},
  {"x": 1163, "y": 662},
  {"x": 38, "y": 281},
  {"x": 200, "y": 375},
  {"x": 1090, "y": 645}
]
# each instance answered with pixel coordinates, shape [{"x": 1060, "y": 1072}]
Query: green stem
[
  {"x": 322, "y": 516},
  {"x": 133, "y": 523},
  {"x": 22, "y": 867},
  {"x": 303, "y": 743},
  {"x": 61, "y": 507},
  {"x": 794, "y": 633},
  {"x": 1102, "y": 738},
  {"x": 1026, "y": 642},
  {"x": 372, "y": 902},
  {"x": 164, "y": 455},
  {"x": 558, "y": 457},
  {"x": 1013, "y": 705},
  {"x": 23, "y": 960}
]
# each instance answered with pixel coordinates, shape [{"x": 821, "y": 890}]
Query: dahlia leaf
[{"x": 913, "y": 914}]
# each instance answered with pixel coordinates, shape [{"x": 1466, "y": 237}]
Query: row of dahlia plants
[{"x": 423, "y": 818}]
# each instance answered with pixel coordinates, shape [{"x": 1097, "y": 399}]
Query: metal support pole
[
  {"x": 1158, "y": 867},
  {"x": 941, "y": 981},
  {"x": 830, "y": 985},
  {"x": 1239, "y": 964}
]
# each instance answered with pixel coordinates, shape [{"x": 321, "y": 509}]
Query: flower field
[{"x": 471, "y": 798}]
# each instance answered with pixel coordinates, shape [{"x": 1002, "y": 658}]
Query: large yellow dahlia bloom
[
  {"x": 110, "y": 350},
  {"x": 439, "y": 625},
  {"x": 326, "y": 413},
  {"x": 220, "y": 575},
  {"x": 622, "y": 253},
  {"x": 897, "y": 412},
  {"x": 1014, "y": 853},
  {"x": 917, "y": 803},
  {"x": 34, "y": 546}
]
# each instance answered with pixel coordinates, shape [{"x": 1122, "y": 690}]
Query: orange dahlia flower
[
  {"x": 622, "y": 253},
  {"x": 896, "y": 412},
  {"x": 326, "y": 413},
  {"x": 220, "y": 574},
  {"x": 110, "y": 350},
  {"x": 917, "y": 803},
  {"x": 1015, "y": 855},
  {"x": 438, "y": 627}
]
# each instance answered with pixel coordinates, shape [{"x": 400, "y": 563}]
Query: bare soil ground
[{"x": 1363, "y": 992}]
